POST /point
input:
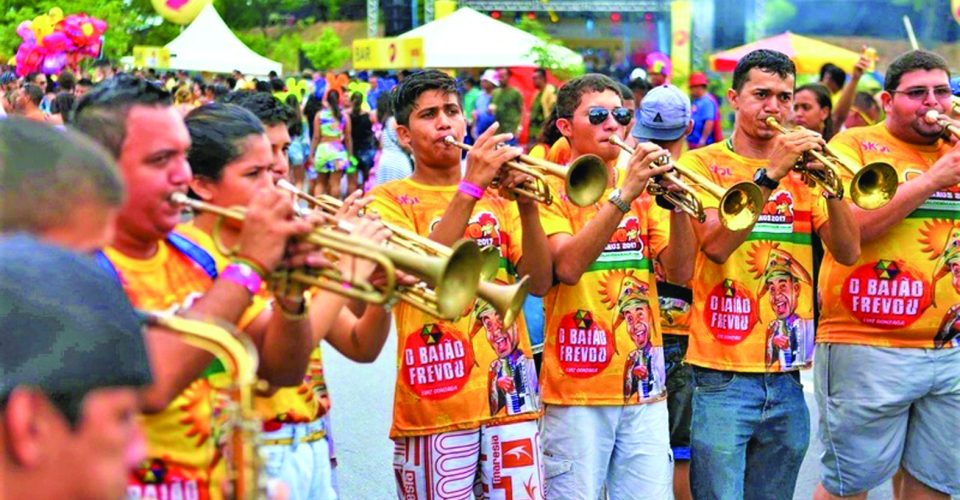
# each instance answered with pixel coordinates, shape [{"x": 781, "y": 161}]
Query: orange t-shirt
[
  {"x": 182, "y": 439},
  {"x": 602, "y": 336},
  {"x": 754, "y": 313},
  {"x": 560, "y": 151},
  {"x": 904, "y": 290},
  {"x": 675, "y": 300},
  {"x": 448, "y": 378}
]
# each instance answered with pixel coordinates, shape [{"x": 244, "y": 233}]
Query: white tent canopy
[
  {"x": 209, "y": 45},
  {"x": 469, "y": 39}
]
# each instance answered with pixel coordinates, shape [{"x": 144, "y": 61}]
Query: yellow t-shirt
[
  {"x": 448, "y": 378},
  {"x": 602, "y": 336},
  {"x": 675, "y": 300},
  {"x": 305, "y": 403},
  {"x": 754, "y": 313},
  {"x": 182, "y": 439},
  {"x": 904, "y": 290}
]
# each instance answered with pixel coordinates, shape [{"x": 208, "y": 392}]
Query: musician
[
  {"x": 444, "y": 432},
  {"x": 669, "y": 131},
  {"x": 275, "y": 116},
  {"x": 135, "y": 121},
  {"x": 232, "y": 157},
  {"x": 73, "y": 358},
  {"x": 591, "y": 436},
  {"x": 750, "y": 424},
  {"x": 892, "y": 377}
]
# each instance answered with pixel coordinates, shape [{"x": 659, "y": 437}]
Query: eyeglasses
[
  {"x": 598, "y": 115},
  {"x": 920, "y": 93}
]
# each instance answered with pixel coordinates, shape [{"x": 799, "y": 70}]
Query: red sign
[
  {"x": 886, "y": 294},
  {"x": 436, "y": 361},
  {"x": 584, "y": 346},
  {"x": 730, "y": 312}
]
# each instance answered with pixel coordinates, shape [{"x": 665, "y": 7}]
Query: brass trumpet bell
[
  {"x": 506, "y": 299},
  {"x": 874, "y": 185},
  {"x": 455, "y": 278},
  {"x": 491, "y": 262},
  {"x": 586, "y": 180},
  {"x": 740, "y": 206}
]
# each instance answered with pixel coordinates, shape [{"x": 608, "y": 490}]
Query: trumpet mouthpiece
[
  {"x": 449, "y": 139},
  {"x": 287, "y": 186},
  {"x": 932, "y": 116},
  {"x": 180, "y": 198}
]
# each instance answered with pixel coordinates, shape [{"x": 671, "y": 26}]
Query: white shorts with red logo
[{"x": 496, "y": 462}]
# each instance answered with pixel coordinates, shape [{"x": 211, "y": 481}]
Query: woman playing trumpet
[{"x": 231, "y": 160}]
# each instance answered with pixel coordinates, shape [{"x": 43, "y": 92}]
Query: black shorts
[{"x": 679, "y": 394}]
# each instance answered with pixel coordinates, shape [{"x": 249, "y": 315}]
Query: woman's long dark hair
[
  {"x": 550, "y": 134},
  {"x": 217, "y": 132},
  {"x": 356, "y": 103},
  {"x": 333, "y": 100},
  {"x": 822, "y": 94},
  {"x": 295, "y": 127}
]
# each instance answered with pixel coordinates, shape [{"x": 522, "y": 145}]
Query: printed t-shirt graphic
[
  {"x": 458, "y": 375},
  {"x": 181, "y": 441},
  {"x": 674, "y": 299},
  {"x": 754, "y": 313},
  {"x": 904, "y": 289},
  {"x": 602, "y": 338}
]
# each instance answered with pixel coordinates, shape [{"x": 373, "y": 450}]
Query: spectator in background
[
  {"x": 705, "y": 112},
  {"x": 27, "y": 103},
  {"x": 299, "y": 141},
  {"x": 83, "y": 86},
  {"x": 843, "y": 101},
  {"x": 508, "y": 107},
  {"x": 394, "y": 161},
  {"x": 102, "y": 70},
  {"x": 640, "y": 87},
  {"x": 543, "y": 103},
  {"x": 812, "y": 109},
  {"x": 657, "y": 75},
  {"x": 364, "y": 143},
  {"x": 63, "y": 106},
  {"x": 864, "y": 112},
  {"x": 67, "y": 82},
  {"x": 832, "y": 77},
  {"x": 470, "y": 94},
  {"x": 483, "y": 115}
]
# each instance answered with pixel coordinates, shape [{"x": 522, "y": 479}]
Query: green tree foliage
[
  {"x": 542, "y": 54},
  {"x": 246, "y": 14},
  {"x": 327, "y": 51}
]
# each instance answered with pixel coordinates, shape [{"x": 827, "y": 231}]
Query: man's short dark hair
[
  {"x": 216, "y": 133},
  {"x": 102, "y": 112},
  {"x": 768, "y": 61},
  {"x": 409, "y": 90},
  {"x": 626, "y": 93},
  {"x": 85, "y": 82},
  {"x": 864, "y": 101},
  {"x": 834, "y": 74},
  {"x": 569, "y": 95},
  {"x": 34, "y": 93},
  {"x": 541, "y": 72},
  {"x": 264, "y": 105},
  {"x": 277, "y": 84},
  {"x": 44, "y": 172},
  {"x": 912, "y": 61},
  {"x": 63, "y": 105},
  {"x": 67, "y": 81},
  {"x": 262, "y": 86}
]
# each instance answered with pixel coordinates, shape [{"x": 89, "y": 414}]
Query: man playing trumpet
[
  {"x": 446, "y": 428},
  {"x": 750, "y": 424},
  {"x": 886, "y": 376}
]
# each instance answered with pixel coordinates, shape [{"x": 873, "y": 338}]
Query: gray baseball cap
[
  {"x": 664, "y": 114},
  {"x": 66, "y": 325}
]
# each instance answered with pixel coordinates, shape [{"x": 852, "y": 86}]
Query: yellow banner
[
  {"x": 388, "y": 53},
  {"x": 443, "y": 8},
  {"x": 145, "y": 56},
  {"x": 681, "y": 28}
]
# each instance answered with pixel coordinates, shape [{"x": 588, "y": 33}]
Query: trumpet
[
  {"x": 455, "y": 278},
  {"x": 739, "y": 206},
  {"x": 240, "y": 360},
  {"x": 872, "y": 186},
  {"x": 933, "y": 117},
  {"x": 506, "y": 299},
  {"x": 585, "y": 179}
]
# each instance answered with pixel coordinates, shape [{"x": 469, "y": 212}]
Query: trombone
[
  {"x": 933, "y": 117},
  {"x": 455, "y": 278},
  {"x": 585, "y": 179},
  {"x": 506, "y": 299},
  {"x": 739, "y": 206},
  {"x": 872, "y": 186}
]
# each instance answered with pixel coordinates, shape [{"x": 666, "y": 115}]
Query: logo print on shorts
[{"x": 517, "y": 453}]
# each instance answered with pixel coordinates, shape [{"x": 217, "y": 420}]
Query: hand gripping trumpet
[
  {"x": 239, "y": 358},
  {"x": 739, "y": 206},
  {"x": 506, "y": 299},
  {"x": 933, "y": 117},
  {"x": 585, "y": 179},
  {"x": 872, "y": 186},
  {"x": 455, "y": 278}
]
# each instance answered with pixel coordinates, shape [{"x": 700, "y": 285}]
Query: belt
[{"x": 308, "y": 438}]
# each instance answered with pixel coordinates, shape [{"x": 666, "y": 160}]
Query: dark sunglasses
[{"x": 598, "y": 115}]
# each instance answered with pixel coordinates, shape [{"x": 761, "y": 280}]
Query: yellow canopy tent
[{"x": 808, "y": 54}]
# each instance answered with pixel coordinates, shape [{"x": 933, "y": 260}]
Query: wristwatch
[
  {"x": 618, "y": 201},
  {"x": 760, "y": 178}
]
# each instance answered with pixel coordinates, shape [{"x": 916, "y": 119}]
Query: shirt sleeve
[{"x": 694, "y": 161}]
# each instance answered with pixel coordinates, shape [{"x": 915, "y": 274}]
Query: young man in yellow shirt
[
  {"x": 605, "y": 417},
  {"x": 465, "y": 408},
  {"x": 159, "y": 270},
  {"x": 751, "y": 327},
  {"x": 888, "y": 365}
]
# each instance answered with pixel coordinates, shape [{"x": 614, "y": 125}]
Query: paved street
[{"x": 362, "y": 402}]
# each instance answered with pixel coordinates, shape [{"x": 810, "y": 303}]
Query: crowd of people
[{"x": 659, "y": 353}]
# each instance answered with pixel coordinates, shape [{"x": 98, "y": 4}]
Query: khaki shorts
[{"x": 881, "y": 408}]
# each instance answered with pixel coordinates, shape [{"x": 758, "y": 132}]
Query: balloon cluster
[{"x": 52, "y": 41}]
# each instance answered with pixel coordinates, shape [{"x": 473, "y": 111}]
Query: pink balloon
[
  {"x": 55, "y": 42},
  {"x": 26, "y": 33},
  {"x": 54, "y": 63}
]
